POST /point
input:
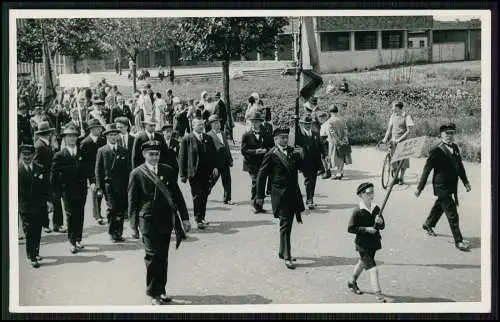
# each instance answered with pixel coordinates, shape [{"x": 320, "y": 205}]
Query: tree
[
  {"x": 133, "y": 35},
  {"x": 222, "y": 38},
  {"x": 29, "y": 43}
]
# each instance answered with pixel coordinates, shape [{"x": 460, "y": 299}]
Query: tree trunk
[
  {"x": 33, "y": 74},
  {"x": 225, "y": 82},
  {"x": 74, "y": 65},
  {"x": 134, "y": 71}
]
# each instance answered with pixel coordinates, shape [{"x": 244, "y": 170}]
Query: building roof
[
  {"x": 357, "y": 23},
  {"x": 468, "y": 24}
]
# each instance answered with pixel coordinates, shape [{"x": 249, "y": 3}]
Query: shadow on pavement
[
  {"x": 325, "y": 261},
  {"x": 350, "y": 175},
  {"x": 63, "y": 237},
  {"x": 325, "y": 208},
  {"x": 218, "y": 209},
  {"x": 411, "y": 299},
  {"x": 219, "y": 299},
  {"x": 231, "y": 227},
  {"x": 446, "y": 266},
  {"x": 188, "y": 239},
  {"x": 61, "y": 260},
  {"x": 97, "y": 248}
]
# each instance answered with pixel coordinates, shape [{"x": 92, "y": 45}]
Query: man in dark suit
[
  {"x": 156, "y": 201},
  {"x": 76, "y": 123},
  {"x": 254, "y": 144},
  {"x": 33, "y": 193},
  {"x": 69, "y": 176},
  {"x": 281, "y": 163},
  {"x": 121, "y": 110},
  {"x": 447, "y": 164},
  {"x": 125, "y": 139},
  {"x": 89, "y": 147},
  {"x": 23, "y": 125},
  {"x": 220, "y": 111},
  {"x": 310, "y": 142},
  {"x": 112, "y": 169},
  {"x": 43, "y": 157},
  {"x": 197, "y": 162},
  {"x": 171, "y": 147},
  {"x": 224, "y": 158},
  {"x": 148, "y": 134}
]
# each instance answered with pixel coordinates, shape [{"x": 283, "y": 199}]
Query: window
[
  {"x": 365, "y": 40},
  {"x": 392, "y": 39},
  {"x": 422, "y": 43},
  {"x": 335, "y": 41},
  {"x": 410, "y": 44}
]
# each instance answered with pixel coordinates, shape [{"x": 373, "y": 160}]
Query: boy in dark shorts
[{"x": 366, "y": 222}]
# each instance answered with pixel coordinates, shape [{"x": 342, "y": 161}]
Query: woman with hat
[
  {"x": 399, "y": 129},
  {"x": 112, "y": 170},
  {"x": 366, "y": 222}
]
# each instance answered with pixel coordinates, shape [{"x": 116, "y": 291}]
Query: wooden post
[{"x": 390, "y": 187}]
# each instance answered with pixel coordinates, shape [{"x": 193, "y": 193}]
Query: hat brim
[
  {"x": 94, "y": 126},
  {"x": 111, "y": 132},
  {"x": 170, "y": 126},
  {"x": 256, "y": 119},
  {"x": 70, "y": 133}
]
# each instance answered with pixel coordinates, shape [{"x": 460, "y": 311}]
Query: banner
[
  {"x": 48, "y": 91},
  {"x": 409, "y": 148},
  {"x": 76, "y": 80}
]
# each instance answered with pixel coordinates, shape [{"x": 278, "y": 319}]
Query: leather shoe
[
  {"x": 281, "y": 257},
  {"x": 119, "y": 239},
  {"x": 463, "y": 246},
  {"x": 429, "y": 230},
  {"x": 38, "y": 258},
  {"x": 312, "y": 206},
  {"x": 35, "y": 264},
  {"x": 289, "y": 264},
  {"x": 156, "y": 301},
  {"x": 73, "y": 249},
  {"x": 353, "y": 286},
  {"x": 200, "y": 225},
  {"x": 229, "y": 202},
  {"x": 135, "y": 235},
  {"x": 327, "y": 175},
  {"x": 100, "y": 221},
  {"x": 47, "y": 230},
  {"x": 165, "y": 299},
  {"x": 60, "y": 229},
  {"x": 79, "y": 245}
]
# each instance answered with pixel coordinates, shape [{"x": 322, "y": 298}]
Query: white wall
[
  {"x": 341, "y": 61},
  {"x": 448, "y": 52}
]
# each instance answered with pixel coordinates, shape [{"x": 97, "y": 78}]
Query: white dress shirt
[{"x": 153, "y": 169}]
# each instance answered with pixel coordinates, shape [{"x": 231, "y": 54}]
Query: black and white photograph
[{"x": 249, "y": 161}]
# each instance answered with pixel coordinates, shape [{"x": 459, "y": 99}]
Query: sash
[{"x": 180, "y": 234}]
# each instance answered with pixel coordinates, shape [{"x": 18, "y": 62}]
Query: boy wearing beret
[{"x": 366, "y": 222}]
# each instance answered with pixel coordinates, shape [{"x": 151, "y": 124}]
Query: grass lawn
[{"x": 432, "y": 93}]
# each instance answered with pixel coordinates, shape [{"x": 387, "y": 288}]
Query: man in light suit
[
  {"x": 197, "y": 164},
  {"x": 111, "y": 172},
  {"x": 224, "y": 158}
]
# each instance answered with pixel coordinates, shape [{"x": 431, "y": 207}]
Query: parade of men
[
  {"x": 156, "y": 202},
  {"x": 128, "y": 196},
  {"x": 224, "y": 158},
  {"x": 112, "y": 169},
  {"x": 197, "y": 163},
  {"x": 69, "y": 178},
  {"x": 281, "y": 163},
  {"x": 254, "y": 144}
]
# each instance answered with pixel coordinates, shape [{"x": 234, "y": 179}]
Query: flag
[{"x": 48, "y": 90}]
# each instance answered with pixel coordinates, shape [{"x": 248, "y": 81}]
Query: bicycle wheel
[{"x": 386, "y": 171}]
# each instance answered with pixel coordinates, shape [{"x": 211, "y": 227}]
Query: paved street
[{"x": 235, "y": 260}]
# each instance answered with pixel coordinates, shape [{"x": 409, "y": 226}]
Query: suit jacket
[
  {"x": 224, "y": 157},
  {"x": 33, "y": 189},
  {"x": 89, "y": 154},
  {"x": 69, "y": 175},
  {"x": 447, "y": 166},
  {"x": 43, "y": 155},
  {"x": 311, "y": 162},
  {"x": 220, "y": 111},
  {"x": 360, "y": 219},
  {"x": 140, "y": 138},
  {"x": 116, "y": 111},
  {"x": 249, "y": 144},
  {"x": 130, "y": 144},
  {"x": 189, "y": 155},
  {"x": 24, "y": 129},
  {"x": 78, "y": 127},
  {"x": 286, "y": 198},
  {"x": 111, "y": 172},
  {"x": 147, "y": 202},
  {"x": 172, "y": 154}
]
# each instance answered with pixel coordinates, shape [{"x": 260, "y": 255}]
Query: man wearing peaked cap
[
  {"x": 281, "y": 164},
  {"x": 254, "y": 144},
  {"x": 69, "y": 175},
  {"x": 446, "y": 163},
  {"x": 33, "y": 194},
  {"x": 111, "y": 172},
  {"x": 44, "y": 153},
  {"x": 310, "y": 164},
  {"x": 156, "y": 201}
]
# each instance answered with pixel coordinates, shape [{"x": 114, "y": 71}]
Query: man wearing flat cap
[
  {"x": 43, "y": 157},
  {"x": 112, "y": 170},
  {"x": 224, "y": 157},
  {"x": 89, "y": 147},
  {"x": 69, "y": 175},
  {"x": 281, "y": 164},
  {"x": 254, "y": 144},
  {"x": 171, "y": 146},
  {"x": 33, "y": 195},
  {"x": 447, "y": 164},
  {"x": 197, "y": 163},
  {"x": 156, "y": 202},
  {"x": 310, "y": 164}
]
